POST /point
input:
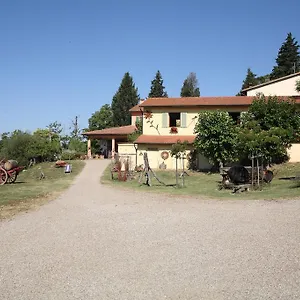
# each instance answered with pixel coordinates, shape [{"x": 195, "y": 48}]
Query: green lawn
[
  {"x": 29, "y": 191},
  {"x": 206, "y": 185}
]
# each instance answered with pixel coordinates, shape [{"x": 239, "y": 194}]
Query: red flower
[{"x": 174, "y": 130}]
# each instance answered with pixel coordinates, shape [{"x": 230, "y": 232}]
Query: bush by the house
[
  {"x": 268, "y": 128},
  {"x": 217, "y": 136}
]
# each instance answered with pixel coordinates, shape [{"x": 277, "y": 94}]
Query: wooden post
[
  {"x": 252, "y": 172},
  {"x": 89, "y": 148},
  {"x": 113, "y": 147},
  {"x": 258, "y": 171},
  {"x": 176, "y": 171},
  {"x": 183, "y": 171}
]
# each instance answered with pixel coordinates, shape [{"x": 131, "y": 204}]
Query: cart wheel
[
  {"x": 3, "y": 176},
  {"x": 12, "y": 177}
]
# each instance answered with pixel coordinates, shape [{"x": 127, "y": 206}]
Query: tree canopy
[
  {"x": 250, "y": 80},
  {"x": 216, "y": 136},
  {"x": 288, "y": 58},
  {"x": 190, "y": 86},
  {"x": 157, "y": 89},
  {"x": 125, "y": 98},
  {"x": 269, "y": 127},
  {"x": 101, "y": 119}
]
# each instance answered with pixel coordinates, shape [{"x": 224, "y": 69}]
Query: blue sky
[{"x": 62, "y": 58}]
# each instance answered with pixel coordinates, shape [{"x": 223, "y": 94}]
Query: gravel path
[{"x": 95, "y": 242}]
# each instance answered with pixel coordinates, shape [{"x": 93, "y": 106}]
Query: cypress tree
[
  {"x": 125, "y": 98},
  {"x": 157, "y": 89},
  {"x": 250, "y": 80},
  {"x": 288, "y": 58}
]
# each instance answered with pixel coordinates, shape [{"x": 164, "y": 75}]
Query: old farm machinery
[{"x": 9, "y": 171}]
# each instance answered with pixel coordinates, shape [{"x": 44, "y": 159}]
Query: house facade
[
  {"x": 168, "y": 120},
  {"x": 284, "y": 86},
  {"x": 111, "y": 138}
]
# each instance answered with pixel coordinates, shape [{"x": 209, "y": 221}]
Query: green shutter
[
  {"x": 183, "y": 116},
  {"x": 164, "y": 120}
]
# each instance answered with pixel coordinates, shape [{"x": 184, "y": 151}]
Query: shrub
[{"x": 217, "y": 136}]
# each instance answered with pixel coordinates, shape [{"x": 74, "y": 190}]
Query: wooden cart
[{"x": 9, "y": 176}]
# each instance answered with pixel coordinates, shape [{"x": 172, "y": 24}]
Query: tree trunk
[{"x": 176, "y": 172}]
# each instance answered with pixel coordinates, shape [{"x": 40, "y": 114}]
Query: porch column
[
  {"x": 113, "y": 147},
  {"x": 89, "y": 148}
]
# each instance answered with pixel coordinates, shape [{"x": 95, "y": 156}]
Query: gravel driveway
[{"x": 96, "y": 242}]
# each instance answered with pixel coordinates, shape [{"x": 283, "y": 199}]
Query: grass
[
  {"x": 205, "y": 185},
  {"x": 29, "y": 191}
]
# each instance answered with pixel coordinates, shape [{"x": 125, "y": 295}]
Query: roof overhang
[
  {"x": 164, "y": 139},
  {"x": 114, "y": 132}
]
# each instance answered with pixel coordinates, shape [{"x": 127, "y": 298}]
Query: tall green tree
[
  {"x": 101, "y": 119},
  {"x": 157, "y": 88},
  {"x": 288, "y": 58},
  {"x": 76, "y": 140},
  {"x": 125, "y": 98},
  {"x": 250, "y": 80},
  {"x": 190, "y": 86}
]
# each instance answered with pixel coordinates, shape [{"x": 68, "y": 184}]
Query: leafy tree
[
  {"x": 298, "y": 86},
  {"x": 23, "y": 146},
  {"x": 16, "y": 146},
  {"x": 269, "y": 127},
  {"x": 157, "y": 88},
  {"x": 288, "y": 58},
  {"x": 101, "y": 119},
  {"x": 217, "y": 136},
  {"x": 139, "y": 130},
  {"x": 125, "y": 98},
  {"x": 190, "y": 86},
  {"x": 55, "y": 130}
]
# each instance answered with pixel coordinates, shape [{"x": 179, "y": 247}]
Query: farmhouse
[{"x": 168, "y": 120}]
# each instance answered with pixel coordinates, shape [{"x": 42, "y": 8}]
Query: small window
[
  {"x": 235, "y": 116},
  {"x": 174, "y": 119}
]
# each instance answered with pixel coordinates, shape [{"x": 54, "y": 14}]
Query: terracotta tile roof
[
  {"x": 137, "y": 108},
  {"x": 198, "y": 101},
  {"x": 203, "y": 101},
  {"x": 123, "y": 130},
  {"x": 164, "y": 139}
]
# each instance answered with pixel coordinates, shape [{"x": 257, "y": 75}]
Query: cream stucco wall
[
  {"x": 153, "y": 126},
  {"x": 281, "y": 88},
  {"x": 294, "y": 153},
  {"x": 154, "y": 156}
]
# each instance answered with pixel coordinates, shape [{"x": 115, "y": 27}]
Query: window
[
  {"x": 174, "y": 120},
  {"x": 235, "y": 116}
]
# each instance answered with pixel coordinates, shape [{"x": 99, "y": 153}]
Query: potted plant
[{"x": 174, "y": 130}]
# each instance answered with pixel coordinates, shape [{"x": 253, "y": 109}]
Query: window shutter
[
  {"x": 164, "y": 120},
  {"x": 183, "y": 117}
]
